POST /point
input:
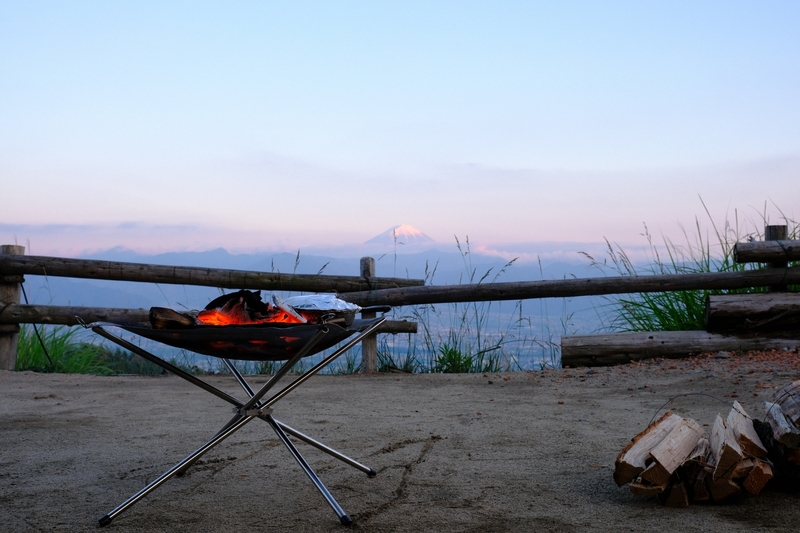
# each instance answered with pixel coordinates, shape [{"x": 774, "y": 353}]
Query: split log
[
  {"x": 783, "y": 430},
  {"x": 622, "y": 348},
  {"x": 758, "y": 477},
  {"x": 742, "y": 426},
  {"x": 676, "y": 447},
  {"x": 696, "y": 462},
  {"x": 700, "y": 491},
  {"x": 165, "y": 318},
  {"x": 632, "y": 460},
  {"x": 743, "y": 468},
  {"x": 766, "y": 251},
  {"x": 677, "y": 495},
  {"x": 645, "y": 489},
  {"x": 726, "y": 451},
  {"x": 773, "y": 313},
  {"x": 723, "y": 489},
  {"x": 654, "y": 476}
]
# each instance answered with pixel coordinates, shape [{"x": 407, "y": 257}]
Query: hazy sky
[{"x": 191, "y": 125}]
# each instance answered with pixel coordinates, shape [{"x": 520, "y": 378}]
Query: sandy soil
[{"x": 503, "y": 452}]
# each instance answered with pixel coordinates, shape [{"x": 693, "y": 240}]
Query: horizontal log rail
[
  {"x": 621, "y": 348},
  {"x": 766, "y": 251},
  {"x": 68, "y": 316},
  {"x": 180, "y": 275},
  {"x": 573, "y": 287}
]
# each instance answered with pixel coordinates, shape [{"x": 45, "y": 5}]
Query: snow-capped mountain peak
[{"x": 402, "y": 234}]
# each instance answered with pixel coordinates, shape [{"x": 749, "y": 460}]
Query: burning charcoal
[
  {"x": 250, "y": 299},
  {"x": 242, "y": 308}
]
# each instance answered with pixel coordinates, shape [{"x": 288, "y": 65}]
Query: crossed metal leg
[{"x": 255, "y": 407}]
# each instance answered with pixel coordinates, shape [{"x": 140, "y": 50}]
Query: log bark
[
  {"x": 181, "y": 275},
  {"x": 766, "y": 251},
  {"x": 621, "y": 348},
  {"x": 482, "y": 292},
  {"x": 777, "y": 233},
  {"x": 68, "y": 316},
  {"x": 789, "y": 399},
  {"x": 9, "y": 295},
  {"x": 776, "y": 313},
  {"x": 783, "y": 430},
  {"x": 369, "y": 346}
]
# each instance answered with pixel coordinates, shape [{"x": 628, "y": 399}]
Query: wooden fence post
[
  {"x": 777, "y": 233},
  {"x": 369, "y": 346},
  {"x": 9, "y": 295}
]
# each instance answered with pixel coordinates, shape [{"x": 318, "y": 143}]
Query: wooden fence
[
  {"x": 364, "y": 290},
  {"x": 14, "y": 265}
]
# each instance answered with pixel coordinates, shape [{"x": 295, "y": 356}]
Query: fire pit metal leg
[
  {"x": 327, "y": 449},
  {"x": 343, "y": 517},
  {"x": 106, "y": 519},
  {"x": 305, "y": 438}
]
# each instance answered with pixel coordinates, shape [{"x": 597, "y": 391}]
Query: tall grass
[
  {"x": 68, "y": 354},
  {"x": 703, "y": 251},
  {"x": 465, "y": 337}
]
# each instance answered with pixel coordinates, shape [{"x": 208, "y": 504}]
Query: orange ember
[{"x": 217, "y": 317}]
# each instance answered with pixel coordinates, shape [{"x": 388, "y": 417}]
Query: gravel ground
[{"x": 502, "y": 452}]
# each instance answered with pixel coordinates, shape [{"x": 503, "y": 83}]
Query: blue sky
[{"x": 191, "y": 125}]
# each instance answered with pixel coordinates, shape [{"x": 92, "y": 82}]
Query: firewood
[
  {"x": 742, "y": 426},
  {"x": 675, "y": 448},
  {"x": 632, "y": 460},
  {"x": 639, "y": 487},
  {"x": 700, "y": 487},
  {"x": 696, "y": 461},
  {"x": 164, "y": 318},
  {"x": 792, "y": 455},
  {"x": 656, "y": 475},
  {"x": 677, "y": 496},
  {"x": 743, "y": 468},
  {"x": 758, "y": 477},
  {"x": 725, "y": 449},
  {"x": 723, "y": 489},
  {"x": 783, "y": 430}
]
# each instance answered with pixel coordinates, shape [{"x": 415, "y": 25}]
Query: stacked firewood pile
[{"x": 675, "y": 461}]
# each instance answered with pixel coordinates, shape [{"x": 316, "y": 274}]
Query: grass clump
[
  {"x": 702, "y": 252},
  {"x": 66, "y": 353}
]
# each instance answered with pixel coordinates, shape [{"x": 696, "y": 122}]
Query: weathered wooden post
[
  {"x": 777, "y": 233},
  {"x": 9, "y": 294},
  {"x": 369, "y": 346}
]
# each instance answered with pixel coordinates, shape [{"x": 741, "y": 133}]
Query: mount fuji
[{"x": 402, "y": 234}]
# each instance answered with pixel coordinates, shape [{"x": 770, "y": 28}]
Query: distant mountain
[{"x": 402, "y": 234}]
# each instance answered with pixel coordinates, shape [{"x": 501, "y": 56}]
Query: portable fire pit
[{"x": 250, "y": 330}]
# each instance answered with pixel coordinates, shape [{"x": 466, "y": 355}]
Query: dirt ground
[{"x": 529, "y": 451}]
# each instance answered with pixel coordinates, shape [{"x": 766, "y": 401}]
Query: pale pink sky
[{"x": 276, "y": 126}]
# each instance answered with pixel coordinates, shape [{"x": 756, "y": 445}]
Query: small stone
[
  {"x": 560, "y": 402},
  {"x": 722, "y": 355},
  {"x": 490, "y": 382}
]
